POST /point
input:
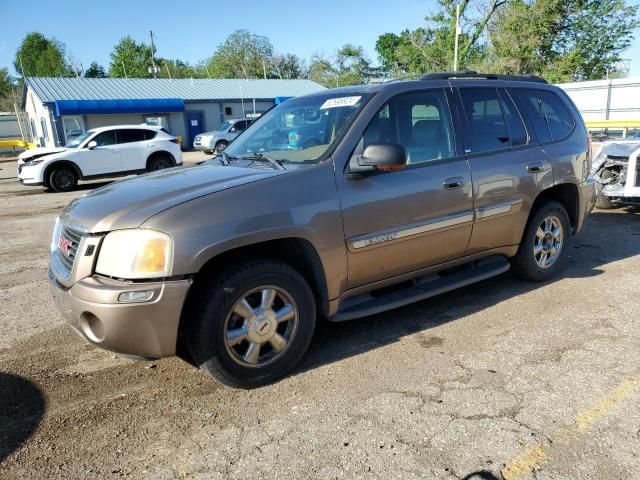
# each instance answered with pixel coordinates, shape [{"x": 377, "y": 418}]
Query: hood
[
  {"x": 129, "y": 203},
  {"x": 34, "y": 153}
]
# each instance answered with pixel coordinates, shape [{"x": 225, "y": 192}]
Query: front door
[
  {"x": 401, "y": 221},
  {"x": 195, "y": 125},
  {"x": 104, "y": 158}
]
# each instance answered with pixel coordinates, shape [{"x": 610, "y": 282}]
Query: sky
[{"x": 191, "y": 31}]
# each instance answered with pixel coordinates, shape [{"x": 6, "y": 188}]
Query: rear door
[
  {"x": 104, "y": 158},
  {"x": 508, "y": 167},
  {"x": 135, "y": 145},
  {"x": 401, "y": 221}
]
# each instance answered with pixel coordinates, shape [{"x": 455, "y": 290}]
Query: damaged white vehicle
[{"x": 616, "y": 170}]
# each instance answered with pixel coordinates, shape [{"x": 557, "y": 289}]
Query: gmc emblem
[{"x": 63, "y": 245}]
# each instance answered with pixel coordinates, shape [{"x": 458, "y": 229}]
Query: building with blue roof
[{"x": 60, "y": 109}]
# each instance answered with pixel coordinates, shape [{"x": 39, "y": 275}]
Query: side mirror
[
  {"x": 92, "y": 144},
  {"x": 379, "y": 157}
]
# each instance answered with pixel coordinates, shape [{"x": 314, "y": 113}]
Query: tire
[
  {"x": 62, "y": 179},
  {"x": 159, "y": 162},
  {"x": 231, "y": 359},
  {"x": 220, "y": 146},
  {"x": 536, "y": 267}
]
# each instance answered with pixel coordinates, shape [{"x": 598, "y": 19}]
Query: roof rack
[{"x": 462, "y": 74}]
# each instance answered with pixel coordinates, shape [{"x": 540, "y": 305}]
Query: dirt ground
[{"x": 503, "y": 379}]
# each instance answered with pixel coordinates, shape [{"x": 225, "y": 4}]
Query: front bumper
[
  {"x": 146, "y": 329},
  {"x": 587, "y": 200}
]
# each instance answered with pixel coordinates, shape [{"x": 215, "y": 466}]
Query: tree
[
  {"x": 321, "y": 70},
  {"x": 6, "y": 90},
  {"x": 286, "y": 66},
  {"x": 561, "y": 40},
  {"x": 130, "y": 59},
  {"x": 242, "y": 55},
  {"x": 179, "y": 69},
  {"x": 39, "y": 56},
  {"x": 95, "y": 71},
  {"x": 431, "y": 48},
  {"x": 348, "y": 66}
]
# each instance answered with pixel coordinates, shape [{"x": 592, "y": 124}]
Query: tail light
[{"x": 174, "y": 140}]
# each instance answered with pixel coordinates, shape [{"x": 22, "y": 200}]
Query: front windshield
[
  {"x": 299, "y": 130},
  {"x": 223, "y": 127},
  {"x": 78, "y": 140}
]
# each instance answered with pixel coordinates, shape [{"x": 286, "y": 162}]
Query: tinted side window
[
  {"x": 515, "y": 125},
  {"x": 130, "y": 135},
  {"x": 486, "y": 121},
  {"x": 106, "y": 138},
  {"x": 550, "y": 118},
  {"x": 418, "y": 121}
]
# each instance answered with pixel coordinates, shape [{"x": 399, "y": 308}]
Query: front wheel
[
  {"x": 542, "y": 252},
  {"x": 253, "y": 324},
  {"x": 62, "y": 179},
  {"x": 220, "y": 146}
]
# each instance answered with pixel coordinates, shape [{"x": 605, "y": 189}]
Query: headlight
[
  {"x": 136, "y": 253},
  {"x": 31, "y": 163}
]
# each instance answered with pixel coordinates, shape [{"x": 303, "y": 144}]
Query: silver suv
[
  {"x": 336, "y": 205},
  {"x": 218, "y": 139}
]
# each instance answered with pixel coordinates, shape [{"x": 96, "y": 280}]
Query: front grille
[{"x": 68, "y": 240}]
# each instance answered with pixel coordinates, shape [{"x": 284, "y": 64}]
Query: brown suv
[{"x": 317, "y": 209}]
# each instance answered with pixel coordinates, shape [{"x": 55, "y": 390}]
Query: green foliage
[
  {"x": 95, "y": 71},
  {"x": 179, "y": 69},
  {"x": 562, "y": 40},
  {"x": 349, "y": 66},
  {"x": 431, "y": 48},
  {"x": 41, "y": 57},
  {"x": 286, "y": 66},
  {"x": 130, "y": 59},
  {"x": 242, "y": 55}
]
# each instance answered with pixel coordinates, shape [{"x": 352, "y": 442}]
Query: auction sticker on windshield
[{"x": 341, "y": 102}]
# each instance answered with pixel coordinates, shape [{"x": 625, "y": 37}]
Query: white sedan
[{"x": 100, "y": 152}]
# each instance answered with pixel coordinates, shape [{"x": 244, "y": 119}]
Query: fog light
[{"x": 138, "y": 296}]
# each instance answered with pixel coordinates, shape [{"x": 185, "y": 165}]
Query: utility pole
[
  {"x": 458, "y": 31},
  {"x": 154, "y": 68}
]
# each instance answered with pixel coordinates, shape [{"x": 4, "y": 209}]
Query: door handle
[
  {"x": 535, "y": 167},
  {"x": 453, "y": 182}
]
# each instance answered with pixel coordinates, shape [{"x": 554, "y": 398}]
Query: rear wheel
[
  {"x": 159, "y": 162},
  {"x": 62, "y": 179},
  {"x": 542, "y": 252},
  {"x": 253, "y": 324},
  {"x": 220, "y": 146}
]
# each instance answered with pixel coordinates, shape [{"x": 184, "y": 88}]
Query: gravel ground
[{"x": 503, "y": 379}]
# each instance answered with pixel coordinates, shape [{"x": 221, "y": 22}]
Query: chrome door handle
[
  {"x": 453, "y": 182},
  {"x": 535, "y": 167}
]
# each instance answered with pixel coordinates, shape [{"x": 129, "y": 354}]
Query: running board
[{"x": 421, "y": 288}]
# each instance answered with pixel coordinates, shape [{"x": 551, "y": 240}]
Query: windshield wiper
[
  {"x": 226, "y": 157},
  {"x": 258, "y": 156}
]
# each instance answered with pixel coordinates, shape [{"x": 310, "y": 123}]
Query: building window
[
  {"x": 34, "y": 134},
  {"x": 228, "y": 111},
  {"x": 161, "y": 121},
  {"x": 73, "y": 127},
  {"x": 45, "y": 130}
]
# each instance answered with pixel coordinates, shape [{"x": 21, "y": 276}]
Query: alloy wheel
[
  {"x": 260, "y": 326},
  {"x": 548, "y": 243}
]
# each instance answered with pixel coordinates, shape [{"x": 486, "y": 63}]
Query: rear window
[
  {"x": 487, "y": 124},
  {"x": 130, "y": 135},
  {"x": 547, "y": 112}
]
